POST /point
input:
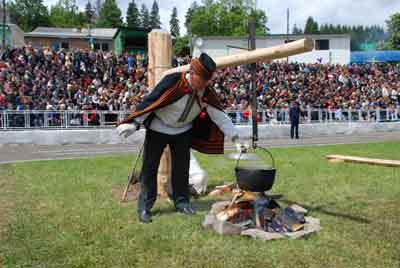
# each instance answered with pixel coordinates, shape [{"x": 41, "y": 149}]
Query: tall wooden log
[{"x": 160, "y": 58}]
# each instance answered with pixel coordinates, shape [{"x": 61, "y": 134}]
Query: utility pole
[
  {"x": 287, "y": 24},
  {"x": 287, "y": 30},
  {"x": 253, "y": 88},
  {"x": 89, "y": 14},
  {"x": 3, "y": 47},
  {"x": 253, "y": 70}
]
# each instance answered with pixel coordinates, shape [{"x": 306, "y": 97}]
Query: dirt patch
[{"x": 132, "y": 194}]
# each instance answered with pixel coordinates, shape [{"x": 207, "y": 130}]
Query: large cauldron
[{"x": 255, "y": 179}]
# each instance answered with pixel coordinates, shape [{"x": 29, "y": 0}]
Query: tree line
[
  {"x": 362, "y": 37},
  {"x": 29, "y": 14},
  {"x": 210, "y": 17}
]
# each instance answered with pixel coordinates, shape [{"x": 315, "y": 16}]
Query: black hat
[
  {"x": 207, "y": 62},
  {"x": 204, "y": 66}
]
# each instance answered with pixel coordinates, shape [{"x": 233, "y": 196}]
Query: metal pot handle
[
  {"x": 270, "y": 154},
  {"x": 266, "y": 150},
  {"x": 237, "y": 161}
]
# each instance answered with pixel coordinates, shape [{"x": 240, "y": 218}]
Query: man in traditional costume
[{"x": 184, "y": 113}]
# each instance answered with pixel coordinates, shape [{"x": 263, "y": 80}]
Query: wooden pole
[
  {"x": 258, "y": 55},
  {"x": 160, "y": 58}
]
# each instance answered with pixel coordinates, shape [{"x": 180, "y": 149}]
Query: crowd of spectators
[{"x": 43, "y": 79}]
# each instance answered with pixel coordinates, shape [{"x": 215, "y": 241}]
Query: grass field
[{"x": 64, "y": 214}]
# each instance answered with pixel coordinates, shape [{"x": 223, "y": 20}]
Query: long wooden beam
[
  {"x": 363, "y": 160},
  {"x": 258, "y": 55}
]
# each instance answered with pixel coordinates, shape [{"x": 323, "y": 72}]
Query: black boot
[
  {"x": 185, "y": 208},
  {"x": 144, "y": 216}
]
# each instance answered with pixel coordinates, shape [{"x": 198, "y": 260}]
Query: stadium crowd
[{"x": 43, "y": 79}]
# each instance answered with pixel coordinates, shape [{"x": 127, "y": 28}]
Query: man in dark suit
[{"x": 294, "y": 116}]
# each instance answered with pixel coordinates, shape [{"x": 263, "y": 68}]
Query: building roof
[
  {"x": 99, "y": 33},
  {"x": 17, "y": 35}
]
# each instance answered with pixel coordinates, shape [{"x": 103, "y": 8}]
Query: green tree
[
  {"x": 28, "y": 14},
  {"x": 110, "y": 15},
  {"x": 324, "y": 29},
  {"x": 89, "y": 12},
  {"x": 189, "y": 15},
  {"x": 331, "y": 29},
  {"x": 393, "y": 25},
  {"x": 361, "y": 37},
  {"x": 144, "y": 17},
  {"x": 261, "y": 22},
  {"x": 204, "y": 21},
  {"x": 297, "y": 30},
  {"x": 132, "y": 15},
  {"x": 181, "y": 46},
  {"x": 65, "y": 13},
  {"x": 155, "y": 22},
  {"x": 174, "y": 23},
  {"x": 225, "y": 17},
  {"x": 311, "y": 26}
]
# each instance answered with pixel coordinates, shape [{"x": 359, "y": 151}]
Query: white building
[{"x": 329, "y": 48}]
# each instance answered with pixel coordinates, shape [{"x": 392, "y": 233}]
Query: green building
[
  {"x": 118, "y": 40},
  {"x": 131, "y": 40}
]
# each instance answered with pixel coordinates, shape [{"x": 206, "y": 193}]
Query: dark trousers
[
  {"x": 154, "y": 145},
  {"x": 294, "y": 130}
]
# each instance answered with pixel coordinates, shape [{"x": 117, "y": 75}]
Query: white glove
[
  {"x": 125, "y": 130},
  {"x": 241, "y": 146}
]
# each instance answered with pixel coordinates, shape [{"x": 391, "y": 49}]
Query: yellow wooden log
[
  {"x": 258, "y": 55},
  {"x": 363, "y": 160}
]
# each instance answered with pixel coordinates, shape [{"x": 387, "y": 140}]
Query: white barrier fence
[{"x": 107, "y": 119}]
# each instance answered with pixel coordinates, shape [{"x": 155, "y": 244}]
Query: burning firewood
[
  {"x": 236, "y": 212},
  {"x": 222, "y": 189},
  {"x": 246, "y": 197},
  {"x": 227, "y": 214}
]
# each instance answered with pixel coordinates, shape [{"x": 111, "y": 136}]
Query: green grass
[{"x": 64, "y": 214}]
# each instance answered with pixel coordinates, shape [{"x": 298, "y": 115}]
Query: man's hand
[{"x": 125, "y": 130}]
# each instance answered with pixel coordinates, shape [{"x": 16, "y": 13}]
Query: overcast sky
[{"x": 366, "y": 12}]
